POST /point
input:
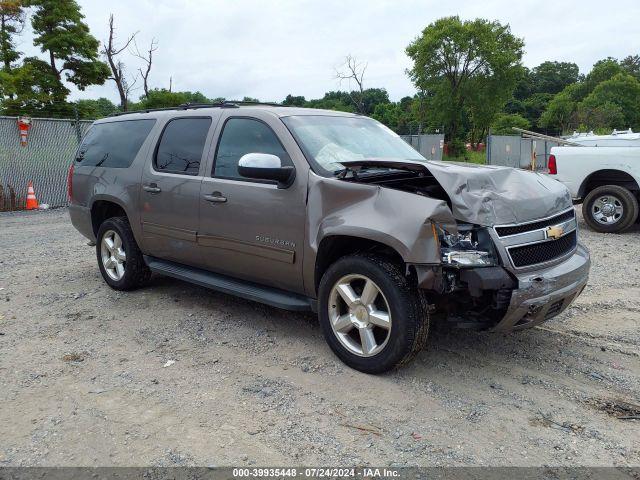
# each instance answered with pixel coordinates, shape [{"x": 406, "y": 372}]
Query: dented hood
[{"x": 488, "y": 195}]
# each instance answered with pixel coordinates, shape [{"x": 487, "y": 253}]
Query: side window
[
  {"x": 113, "y": 144},
  {"x": 241, "y": 136},
  {"x": 180, "y": 148}
]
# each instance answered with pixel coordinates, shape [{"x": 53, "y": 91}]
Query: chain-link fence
[
  {"x": 430, "y": 146},
  {"x": 44, "y": 160}
]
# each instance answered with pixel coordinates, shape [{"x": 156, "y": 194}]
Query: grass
[{"x": 469, "y": 157}]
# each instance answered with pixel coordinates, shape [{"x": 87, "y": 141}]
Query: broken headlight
[{"x": 471, "y": 246}]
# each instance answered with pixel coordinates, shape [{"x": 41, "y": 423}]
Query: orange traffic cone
[{"x": 32, "y": 201}]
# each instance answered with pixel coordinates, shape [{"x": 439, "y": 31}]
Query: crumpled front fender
[{"x": 400, "y": 220}]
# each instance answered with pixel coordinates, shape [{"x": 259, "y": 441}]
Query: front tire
[
  {"x": 372, "y": 316},
  {"x": 119, "y": 258},
  {"x": 610, "y": 209}
]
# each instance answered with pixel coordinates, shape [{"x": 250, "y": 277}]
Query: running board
[{"x": 232, "y": 286}]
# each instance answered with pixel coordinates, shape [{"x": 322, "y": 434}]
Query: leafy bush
[
  {"x": 456, "y": 148},
  {"x": 504, "y": 123}
]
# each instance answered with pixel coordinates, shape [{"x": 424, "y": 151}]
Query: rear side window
[
  {"x": 241, "y": 136},
  {"x": 180, "y": 148},
  {"x": 114, "y": 144}
]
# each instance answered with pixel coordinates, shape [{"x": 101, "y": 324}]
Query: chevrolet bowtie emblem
[{"x": 555, "y": 232}]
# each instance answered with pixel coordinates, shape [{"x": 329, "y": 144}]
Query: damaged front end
[
  {"x": 473, "y": 290},
  {"x": 507, "y": 282},
  {"x": 510, "y": 259}
]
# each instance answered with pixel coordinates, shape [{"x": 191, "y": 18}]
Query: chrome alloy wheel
[
  {"x": 607, "y": 210},
  {"x": 360, "y": 315},
  {"x": 113, "y": 255}
]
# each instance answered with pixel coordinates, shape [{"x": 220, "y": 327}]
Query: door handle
[
  {"x": 152, "y": 188},
  {"x": 215, "y": 197}
]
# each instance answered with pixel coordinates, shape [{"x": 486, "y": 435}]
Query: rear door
[
  {"x": 170, "y": 188},
  {"x": 252, "y": 229}
]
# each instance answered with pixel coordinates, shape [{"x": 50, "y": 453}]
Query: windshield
[{"x": 329, "y": 140}]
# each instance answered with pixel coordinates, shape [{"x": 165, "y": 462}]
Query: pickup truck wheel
[
  {"x": 610, "y": 208},
  {"x": 371, "y": 315},
  {"x": 119, "y": 258}
]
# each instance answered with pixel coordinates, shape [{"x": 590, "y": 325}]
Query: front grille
[
  {"x": 528, "y": 227},
  {"x": 543, "y": 252}
]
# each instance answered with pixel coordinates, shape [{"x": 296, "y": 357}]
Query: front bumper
[{"x": 543, "y": 294}]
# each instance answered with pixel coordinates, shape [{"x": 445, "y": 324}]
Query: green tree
[
  {"x": 61, "y": 33},
  {"x": 163, "y": 98},
  {"x": 294, "y": 101},
  {"x": 553, "y": 77},
  {"x": 372, "y": 97},
  {"x": 535, "y": 88},
  {"x": 631, "y": 65},
  {"x": 333, "y": 100},
  {"x": 390, "y": 114},
  {"x": 602, "y": 70},
  {"x": 524, "y": 84},
  {"x": 93, "y": 109},
  {"x": 503, "y": 124},
  {"x": 623, "y": 91},
  {"x": 457, "y": 61},
  {"x": 560, "y": 113},
  {"x": 12, "y": 17},
  {"x": 602, "y": 117},
  {"x": 607, "y": 97},
  {"x": 483, "y": 106},
  {"x": 33, "y": 89},
  {"x": 535, "y": 105}
]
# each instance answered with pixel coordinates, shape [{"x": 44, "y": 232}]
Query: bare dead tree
[
  {"x": 147, "y": 58},
  {"x": 129, "y": 86},
  {"x": 350, "y": 70},
  {"x": 118, "y": 75}
]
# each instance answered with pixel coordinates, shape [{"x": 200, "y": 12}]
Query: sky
[{"x": 268, "y": 49}]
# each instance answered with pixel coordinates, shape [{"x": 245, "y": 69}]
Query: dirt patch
[{"x": 174, "y": 374}]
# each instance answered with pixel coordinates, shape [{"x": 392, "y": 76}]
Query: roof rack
[
  {"x": 193, "y": 106},
  {"x": 268, "y": 104}
]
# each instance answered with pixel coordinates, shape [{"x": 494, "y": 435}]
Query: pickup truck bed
[{"x": 604, "y": 179}]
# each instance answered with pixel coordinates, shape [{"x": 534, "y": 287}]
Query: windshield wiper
[
  {"x": 359, "y": 169},
  {"x": 356, "y": 169}
]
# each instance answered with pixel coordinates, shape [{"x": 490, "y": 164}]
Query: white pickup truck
[{"x": 605, "y": 179}]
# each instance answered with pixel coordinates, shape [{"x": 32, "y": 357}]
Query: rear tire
[
  {"x": 119, "y": 258},
  {"x": 379, "y": 290},
  {"x": 610, "y": 209}
]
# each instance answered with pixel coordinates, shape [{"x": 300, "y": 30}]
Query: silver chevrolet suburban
[{"x": 319, "y": 210}]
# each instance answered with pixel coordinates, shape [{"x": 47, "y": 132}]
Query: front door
[
  {"x": 252, "y": 229},
  {"x": 170, "y": 190}
]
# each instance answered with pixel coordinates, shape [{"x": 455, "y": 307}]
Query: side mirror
[{"x": 264, "y": 166}]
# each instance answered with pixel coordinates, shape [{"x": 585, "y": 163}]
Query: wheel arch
[
  {"x": 103, "y": 208},
  {"x": 334, "y": 247},
  {"x": 608, "y": 177}
]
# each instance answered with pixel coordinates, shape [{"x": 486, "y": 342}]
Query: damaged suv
[{"x": 319, "y": 210}]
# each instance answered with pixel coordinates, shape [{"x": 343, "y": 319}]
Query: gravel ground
[{"x": 174, "y": 374}]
